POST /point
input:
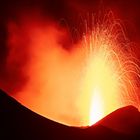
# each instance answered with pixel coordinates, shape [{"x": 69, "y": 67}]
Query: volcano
[{"x": 18, "y": 122}]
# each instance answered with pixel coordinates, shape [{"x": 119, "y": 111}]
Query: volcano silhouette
[{"x": 19, "y": 123}]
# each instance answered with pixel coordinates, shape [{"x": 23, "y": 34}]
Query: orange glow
[
  {"x": 76, "y": 86},
  {"x": 101, "y": 84}
]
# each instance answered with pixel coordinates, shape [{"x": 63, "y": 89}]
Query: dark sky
[{"x": 126, "y": 10}]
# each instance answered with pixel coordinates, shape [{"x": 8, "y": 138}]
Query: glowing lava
[
  {"x": 110, "y": 70},
  {"x": 96, "y": 112},
  {"x": 101, "y": 84}
]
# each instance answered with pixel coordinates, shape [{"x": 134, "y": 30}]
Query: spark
[{"x": 109, "y": 66}]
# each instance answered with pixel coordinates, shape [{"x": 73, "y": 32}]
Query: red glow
[{"x": 76, "y": 87}]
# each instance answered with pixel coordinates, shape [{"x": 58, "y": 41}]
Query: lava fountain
[{"x": 110, "y": 69}]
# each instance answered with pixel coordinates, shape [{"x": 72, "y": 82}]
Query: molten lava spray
[
  {"x": 96, "y": 109},
  {"x": 78, "y": 86},
  {"x": 109, "y": 80}
]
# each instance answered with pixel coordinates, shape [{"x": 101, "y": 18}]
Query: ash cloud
[
  {"x": 13, "y": 37},
  {"x": 40, "y": 67}
]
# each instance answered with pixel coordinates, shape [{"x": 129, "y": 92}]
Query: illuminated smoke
[{"x": 51, "y": 71}]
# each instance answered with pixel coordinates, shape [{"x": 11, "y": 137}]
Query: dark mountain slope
[{"x": 19, "y": 123}]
